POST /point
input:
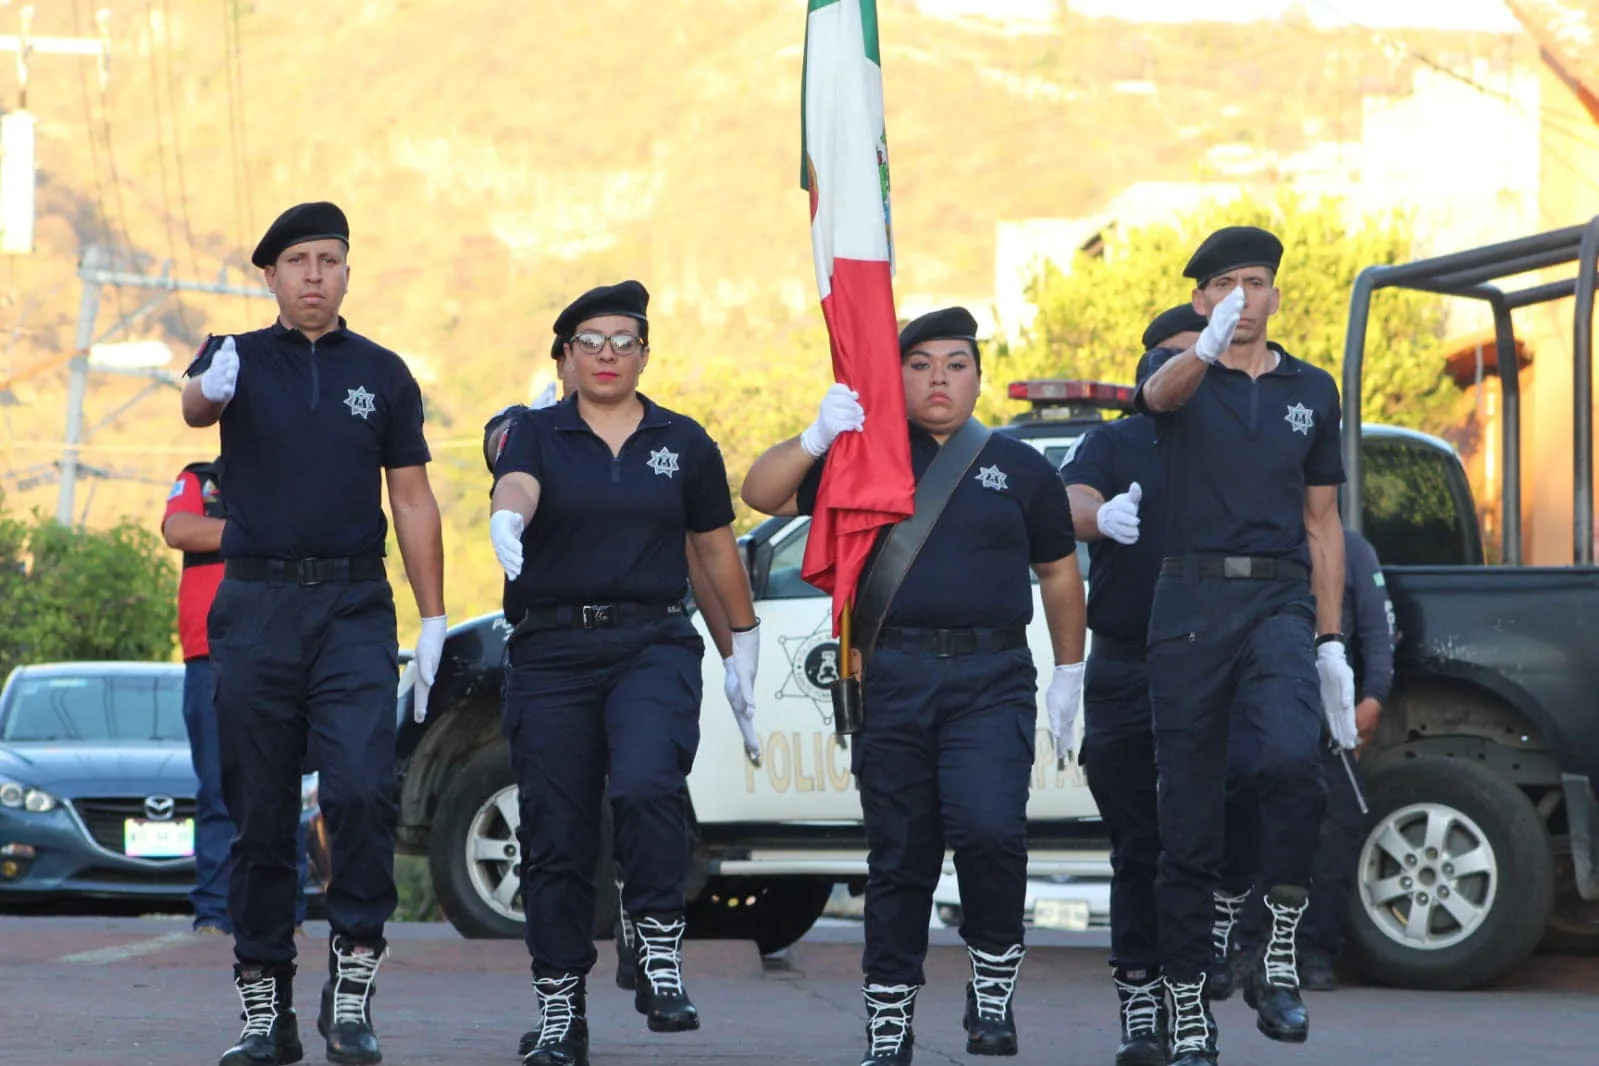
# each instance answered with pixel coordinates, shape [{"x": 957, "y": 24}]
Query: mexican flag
[{"x": 867, "y": 483}]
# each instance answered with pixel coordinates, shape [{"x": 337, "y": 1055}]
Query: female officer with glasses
[{"x": 593, "y": 498}]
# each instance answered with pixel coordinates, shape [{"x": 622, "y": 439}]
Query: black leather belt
[
  {"x": 1240, "y": 567},
  {"x": 1126, "y": 651},
  {"x": 305, "y": 571},
  {"x": 595, "y": 615},
  {"x": 944, "y": 643}
]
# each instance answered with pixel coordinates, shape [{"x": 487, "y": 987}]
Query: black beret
[
  {"x": 628, "y": 298},
  {"x": 950, "y": 324},
  {"x": 304, "y": 222},
  {"x": 1180, "y": 319},
  {"x": 558, "y": 347},
  {"x": 1233, "y": 248}
]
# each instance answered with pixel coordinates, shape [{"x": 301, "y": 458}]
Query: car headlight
[
  {"x": 17, "y": 796},
  {"x": 308, "y": 792}
]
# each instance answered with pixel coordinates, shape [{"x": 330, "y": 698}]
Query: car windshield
[{"x": 95, "y": 709}]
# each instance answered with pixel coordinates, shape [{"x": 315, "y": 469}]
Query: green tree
[
  {"x": 74, "y": 594},
  {"x": 1090, "y": 320}
]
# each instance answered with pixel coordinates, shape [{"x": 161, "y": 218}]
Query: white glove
[
  {"x": 429, "y": 647},
  {"x": 1337, "y": 693},
  {"x": 743, "y": 713},
  {"x": 505, "y": 532},
  {"x": 1118, "y": 516},
  {"x": 1064, "y": 700},
  {"x": 840, "y": 412},
  {"x": 1218, "y": 334},
  {"x": 220, "y": 378},
  {"x": 544, "y": 399}
]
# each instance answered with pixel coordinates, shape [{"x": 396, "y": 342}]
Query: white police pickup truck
[{"x": 771, "y": 841}]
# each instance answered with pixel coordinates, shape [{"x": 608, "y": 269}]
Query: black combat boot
[
  {"x": 1142, "y": 994},
  {"x": 990, "y": 1026},
  {"x": 562, "y": 1038},
  {"x": 1273, "y": 985},
  {"x": 889, "y": 1040},
  {"x": 345, "y": 1020},
  {"x": 271, "y": 1034},
  {"x": 660, "y": 996},
  {"x": 626, "y": 946},
  {"x": 1219, "y": 982},
  {"x": 1193, "y": 1029}
]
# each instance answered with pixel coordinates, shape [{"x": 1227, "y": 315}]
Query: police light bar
[{"x": 1085, "y": 393}]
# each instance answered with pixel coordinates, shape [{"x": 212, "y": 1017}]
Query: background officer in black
[
  {"x": 1368, "y": 627},
  {"x": 1245, "y": 621},
  {"x": 950, "y": 694},
  {"x": 593, "y": 499},
  {"x": 303, "y": 633}
]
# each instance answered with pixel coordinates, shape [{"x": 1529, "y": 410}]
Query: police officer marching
[
  {"x": 303, "y": 631},
  {"x": 1245, "y": 623},
  {"x": 950, "y": 690},
  {"x": 593, "y": 501}
]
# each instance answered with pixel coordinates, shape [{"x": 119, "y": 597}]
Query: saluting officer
[
  {"x": 1245, "y": 622},
  {"x": 303, "y": 632},
  {"x": 593, "y": 500},
  {"x": 950, "y": 692}
]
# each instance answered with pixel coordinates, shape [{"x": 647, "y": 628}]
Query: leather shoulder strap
[{"x": 904, "y": 541}]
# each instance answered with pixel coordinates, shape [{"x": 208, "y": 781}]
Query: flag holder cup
[{"x": 847, "y": 710}]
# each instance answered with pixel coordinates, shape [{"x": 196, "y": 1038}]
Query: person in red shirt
[{"x": 195, "y": 515}]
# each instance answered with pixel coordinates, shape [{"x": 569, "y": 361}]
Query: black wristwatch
[{"x": 1328, "y": 638}]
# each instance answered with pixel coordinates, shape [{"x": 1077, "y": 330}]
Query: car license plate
[
  {"x": 143, "y": 839},
  {"x": 1069, "y": 914}
]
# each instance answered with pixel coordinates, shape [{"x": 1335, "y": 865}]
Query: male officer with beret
[
  {"x": 1245, "y": 624},
  {"x": 950, "y": 691},
  {"x": 303, "y": 631}
]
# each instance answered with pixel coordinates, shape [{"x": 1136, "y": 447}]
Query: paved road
[{"x": 144, "y": 991}]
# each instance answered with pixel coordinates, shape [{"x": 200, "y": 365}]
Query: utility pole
[{"x": 97, "y": 269}]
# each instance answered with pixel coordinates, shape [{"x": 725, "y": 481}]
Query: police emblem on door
[{"x": 813, "y": 666}]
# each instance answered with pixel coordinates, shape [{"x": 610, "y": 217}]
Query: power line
[
  {"x": 161, "y": 154},
  {"x": 229, "y": 26},
  {"x": 244, "y": 136},
  {"x": 177, "y": 137},
  {"x": 94, "y": 152}
]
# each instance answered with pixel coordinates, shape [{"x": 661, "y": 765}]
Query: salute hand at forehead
[
  {"x": 1218, "y": 334},
  {"x": 840, "y": 412}
]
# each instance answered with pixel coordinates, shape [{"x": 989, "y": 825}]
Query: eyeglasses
[{"x": 594, "y": 343}]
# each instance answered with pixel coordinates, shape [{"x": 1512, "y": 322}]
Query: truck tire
[
  {"x": 1455, "y": 880},
  {"x": 475, "y": 858},
  {"x": 772, "y": 911}
]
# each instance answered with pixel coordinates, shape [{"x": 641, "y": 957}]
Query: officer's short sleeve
[
  {"x": 503, "y": 417},
  {"x": 1325, "y": 463},
  {"x": 403, "y": 442},
  {"x": 805, "y": 495},
  {"x": 185, "y": 497},
  {"x": 202, "y": 358},
  {"x": 1049, "y": 519},
  {"x": 519, "y": 451},
  {"x": 708, "y": 502},
  {"x": 1093, "y": 464},
  {"x": 1156, "y": 359}
]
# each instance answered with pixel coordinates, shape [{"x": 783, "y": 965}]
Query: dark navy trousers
[
  {"x": 1118, "y": 757},
  {"x": 1220, "y": 651},
  {"x": 213, "y": 828},
  {"x": 589, "y": 715},
  {"x": 315, "y": 664},
  {"x": 945, "y": 757}
]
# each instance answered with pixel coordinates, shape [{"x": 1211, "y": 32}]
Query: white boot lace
[
  {"x": 1282, "y": 963},
  {"x": 260, "y": 1006},
  {"x": 888, "y": 1016},
  {"x": 352, "y": 986},
  {"x": 661, "y": 963},
  {"x": 1228, "y": 908},
  {"x": 1140, "y": 1007},
  {"x": 994, "y": 980},
  {"x": 557, "y": 1007},
  {"x": 1190, "y": 1028}
]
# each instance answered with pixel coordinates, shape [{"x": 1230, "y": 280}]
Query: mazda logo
[{"x": 159, "y": 808}]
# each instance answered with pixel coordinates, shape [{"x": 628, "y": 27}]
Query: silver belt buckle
[
  {"x": 1236, "y": 566},
  {"x": 598, "y": 615}
]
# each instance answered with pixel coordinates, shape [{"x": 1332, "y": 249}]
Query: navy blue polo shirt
[
  {"x": 306, "y": 437},
  {"x": 1239, "y": 455},
  {"x": 1008, "y": 512},
  {"x": 1121, "y": 577},
  {"x": 610, "y": 529}
]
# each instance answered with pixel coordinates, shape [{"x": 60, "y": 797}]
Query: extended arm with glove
[
  {"x": 1064, "y": 701},
  {"x": 1337, "y": 693}
]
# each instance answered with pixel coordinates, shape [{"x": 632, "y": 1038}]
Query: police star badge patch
[
  {"x": 663, "y": 461},
  {"x": 359, "y": 401},
  {"x": 992, "y": 477},
  {"x": 1301, "y": 418}
]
